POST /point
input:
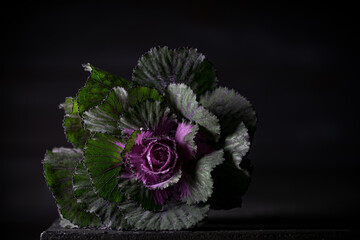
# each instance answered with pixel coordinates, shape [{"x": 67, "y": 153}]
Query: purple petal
[
  {"x": 185, "y": 150},
  {"x": 128, "y": 131},
  {"x": 117, "y": 143},
  {"x": 165, "y": 183},
  {"x": 182, "y": 130},
  {"x": 142, "y": 136}
]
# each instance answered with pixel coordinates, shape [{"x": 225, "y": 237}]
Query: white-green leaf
[
  {"x": 146, "y": 115},
  {"x": 237, "y": 144},
  {"x": 104, "y": 118},
  {"x": 199, "y": 179},
  {"x": 162, "y": 66},
  {"x": 173, "y": 216},
  {"x": 183, "y": 100},
  {"x": 231, "y": 108}
]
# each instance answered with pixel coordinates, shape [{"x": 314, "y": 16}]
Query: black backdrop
[{"x": 295, "y": 62}]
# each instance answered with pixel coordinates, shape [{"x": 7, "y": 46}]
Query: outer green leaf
[
  {"x": 237, "y": 144},
  {"x": 174, "y": 216},
  {"x": 200, "y": 181},
  {"x": 97, "y": 87},
  {"x": 183, "y": 99},
  {"x": 161, "y": 66},
  {"x": 231, "y": 108},
  {"x": 109, "y": 213},
  {"x": 104, "y": 118},
  {"x": 147, "y": 115},
  {"x": 74, "y": 131},
  {"x": 103, "y": 158},
  {"x": 59, "y": 167}
]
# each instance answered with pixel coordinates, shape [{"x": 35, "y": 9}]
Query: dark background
[{"x": 295, "y": 62}]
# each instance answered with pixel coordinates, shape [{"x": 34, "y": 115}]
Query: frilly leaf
[
  {"x": 59, "y": 167},
  {"x": 161, "y": 66},
  {"x": 139, "y": 193},
  {"x": 183, "y": 100},
  {"x": 197, "y": 185},
  {"x": 238, "y": 122},
  {"x": 104, "y": 117},
  {"x": 138, "y": 95},
  {"x": 231, "y": 108},
  {"x": 237, "y": 144},
  {"x": 146, "y": 115},
  {"x": 97, "y": 87},
  {"x": 74, "y": 131},
  {"x": 109, "y": 213},
  {"x": 174, "y": 216},
  {"x": 103, "y": 159},
  {"x": 185, "y": 139}
]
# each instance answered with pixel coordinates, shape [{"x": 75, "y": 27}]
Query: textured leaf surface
[
  {"x": 183, "y": 99},
  {"x": 59, "y": 167},
  {"x": 139, "y": 193},
  {"x": 104, "y": 118},
  {"x": 74, "y": 131},
  {"x": 103, "y": 159},
  {"x": 109, "y": 213},
  {"x": 146, "y": 115},
  {"x": 185, "y": 138},
  {"x": 231, "y": 180},
  {"x": 161, "y": 66},
  {"x": 237, "y": 144},
  {"x": 174, "y": 216},
  {"x": 97, "y": 87},
  {"x": 231, "y": 108},
  {"x": 200, "y": 183},
  {"x": 138, "y": 95}
]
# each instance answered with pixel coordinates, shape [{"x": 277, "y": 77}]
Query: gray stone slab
[{"x": 201, "y": 233}]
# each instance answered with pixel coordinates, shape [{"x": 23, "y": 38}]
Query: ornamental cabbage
[{"x": 155, "y": 153}]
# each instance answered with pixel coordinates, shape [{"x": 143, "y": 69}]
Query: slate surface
[{"x": 206, "y": 231}]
